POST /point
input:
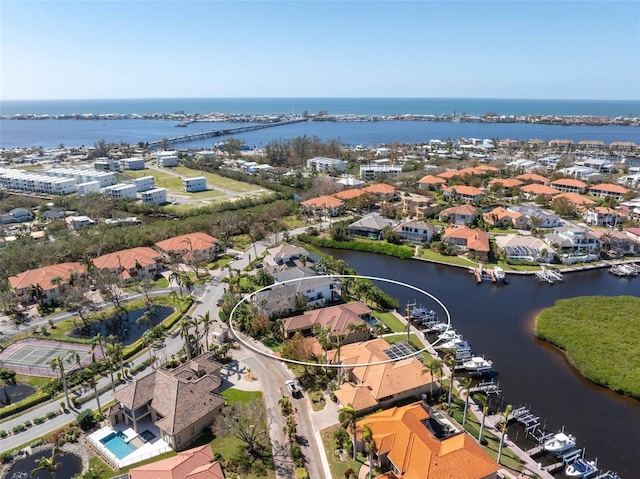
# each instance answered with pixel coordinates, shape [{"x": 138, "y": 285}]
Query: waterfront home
[
  {"x": 376, "y": 386},
  {"x": 601, "y": 216},
  {"x": 288, "y": 256},
  {"x": 417, "y": 232},
  {"x": 618, "y": 243},
  {"x": 591, "y": 145},
  {"x": 167, "y": 159},
  {"x": 182, "y": 402},
  {"x": 607, "y": 189},
  {"x": 323, "y": 205},
  {"x": 459, "y": 215},
  {"x": 198, "y": 246},
  {"x": 369, "y": 226},
  {"x": 524, "y": 248},
  {"x": 569, "y": 185},
  {"x": 310, "y": 291},
  {"x": 533, "y": 178},
  {"x": 626, "y": 146},
  {"x": 470, "y": 194},
  {"x": 500, "y": 217},
  {"x": 533, "y": 190},
  {"x": 537, "y": 216},
  {"x": 466, "y": 240},
  {"x": 196, "y": 463},
  {"x": 564, "y": 145},
  {"x": 417, "y": 442},
  {"x": 131, "y": 264},
  {"x": 431, "y": 182},
  {"x": 574, "y": 244},
  {"x": 633, "y": 233},
  {"x": 631, "y": 181},
  {"x": 44, "y": 284},
  {"x": 340, "y": 320},
  {"x": 630, "y": 209}
]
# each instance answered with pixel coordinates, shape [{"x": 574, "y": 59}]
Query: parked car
[
  {"x": 219, "y": 303},
  {"x": 294, "y": 388}
]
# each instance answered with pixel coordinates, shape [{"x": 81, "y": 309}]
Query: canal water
[{"x": 498, "y": 321}]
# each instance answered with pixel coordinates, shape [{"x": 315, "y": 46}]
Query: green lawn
[
  {"x": 455, "y": 260},
  {"x": 336, "y": 465},
  {"x": 601, "y": 336},
  {"x": 390, "y": 321},
  {"x": 236, "y": 395}
]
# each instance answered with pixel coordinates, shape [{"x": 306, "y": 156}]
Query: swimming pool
[{"x": 116, "y": 442}]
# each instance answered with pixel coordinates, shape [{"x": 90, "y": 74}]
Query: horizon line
[{"x": 319, "y": 98}]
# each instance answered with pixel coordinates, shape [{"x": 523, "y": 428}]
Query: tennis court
[{"x": 33, "y": 356}]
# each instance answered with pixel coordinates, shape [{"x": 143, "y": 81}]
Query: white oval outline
[{"x": 333, "y": 365}]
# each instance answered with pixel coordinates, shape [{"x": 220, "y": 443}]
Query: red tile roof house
[
  {"x": 44, "y": 284},
  {"x": 463, "y": 192},
  {"x": 606, "y": 189},
  {"x": 505, "y": 183},
  {"x": 467, "y": 240},
  {"x": 500, "y": 217},
  {"x": 459, "y": 215},
  {"x": 575, "y": 198},
  {"x": 196, "y": 463},
  {"x": 431, "y": 182},
  {"x": 376, "y": 386},
  {"x": 203, "y": 246},
  {"x": 131, "y": 264},
  {"x": 323, "y": 204},
  {"x": 182, "y": 402},
  {"x": 415, "y": 443},
  {"x": 601, "y": 216},
  {"x": 569, "y": 185},
  {"x": 337, "y": 318},
  {"x": 533, "y": 178},
  {"x": 534, "y": 190}
]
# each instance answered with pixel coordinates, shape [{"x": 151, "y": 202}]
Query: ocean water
[
  {"x": 359, "y": 106},
  {"x": 73, "y": 133}
]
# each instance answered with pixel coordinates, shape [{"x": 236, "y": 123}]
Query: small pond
[
  {"x": 70, "y": 465},
  {"x": 125, "y": 326},
  {"x": 11, "y": 393}
]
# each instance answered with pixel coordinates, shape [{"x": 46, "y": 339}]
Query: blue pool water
[
  {"x": 116, "y": 443},
  {"x": 371, "y": 321}
]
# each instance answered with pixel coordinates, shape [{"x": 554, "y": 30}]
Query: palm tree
[
  {"x": 36, "y": 291},
  {"x": 206, "y": 326},
  {"x": 505, "y": 415},
  {"x": 187, "y": 282},
  {"x": 148, "y": 340},
  {"x": 378, "y": 329},
  {"x": 98, "y": 340},
  {"x": 176, "y": 277},
  {"x": 485, "y": 409},
  {"x": 57, "y": 363},
  {"x": 348, "y": 418},
  {"x": 450, "y": 362},
  {"x": 263, "y": 278},
  {"x": 92, "y": 370},
  {"x": 369, "y": 446},
  {"x": 184, "y": 325},
  {"x": 435, "y": 369},
  {"x": 465, "y": 384},
  {"x": 47, "y": 464},
  {"x": 115, "y": 352}
]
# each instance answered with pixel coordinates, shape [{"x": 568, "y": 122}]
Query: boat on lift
[
  {"x": 478, "y": 365},
  {"x": 560, "y": 442},
  {"x": 581, "y": 468}
]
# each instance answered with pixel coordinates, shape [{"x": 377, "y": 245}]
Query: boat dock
[
  {"x": 228, "y": 131},
  {"x": 483, "y": 275},
  {"x": 629, "y": 270},
  {"x": 549, "y": 275},
  {"x": 487, "y": 387}
]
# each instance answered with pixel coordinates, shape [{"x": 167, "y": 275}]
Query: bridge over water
[{"x": 228, "y": 131}]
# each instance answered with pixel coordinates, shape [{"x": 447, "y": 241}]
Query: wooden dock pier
[{"x": 215, "y": 133}]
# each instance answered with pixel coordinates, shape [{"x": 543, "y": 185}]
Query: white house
[
  {"x": 144, "y": 183},
  {"x": 192, "y": 185},
  {"x": 76, "y": 223},
  {"x": 574, "y": 244},
  {"x": 415, "y": 231},
  {"x": 155, "y": 196},
  {"x": 326, "y": 165},
  {"x": 167, "y": 159},
  {"x": 134, "y": 163},
  {"x": 87, "y": 188},
  {"x": 121, "y": 191},
  {"x": 524, "y": 248},
  {"x": 377, "y": 170}
]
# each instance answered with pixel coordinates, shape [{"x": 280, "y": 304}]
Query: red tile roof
[
  {"x": 349, "y": 194},
  {"x": 432, "y": 180},
  {"x": 610, "y": 188},
  {"x": 537, "y": 189},
  {"x": 477, "y": 240},
  {"x": 42, "y": 276},
  {"x": 569, "y": 182},
  {"x": 180, "y": 244},
  {"x": 465, "y": 190},
  {"x": 418, "y": 454},
  {"x": 533, "y": 177},
  {"x": 336, "y": 317},
  {"x": 576, "y": 199},
  {"x": 127, "y": 259},
  {"x": 196, "y": 463},
  {"x": 380, "y": 189},
  {"x": 323, "y": 202},
  {"x": 506, "y": 182}
]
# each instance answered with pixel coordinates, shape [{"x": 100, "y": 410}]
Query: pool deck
[{"x": 146, "y": 450}]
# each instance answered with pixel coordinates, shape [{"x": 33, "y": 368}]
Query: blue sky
[{"x": 147, "y": 49}]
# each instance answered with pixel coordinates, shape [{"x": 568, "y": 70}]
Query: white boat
[
  {"x": 499, "y": 274},
  {"x": 449, "y": 335},
  {"x": 581, "y": 468},
  {"x": 440, "y": 327},
  {"x": 478, "y": 365},
  {"x": 560, "y": 442},
  {"x": 458, "y": 344},
  {"x": 422, "y": 314}
]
